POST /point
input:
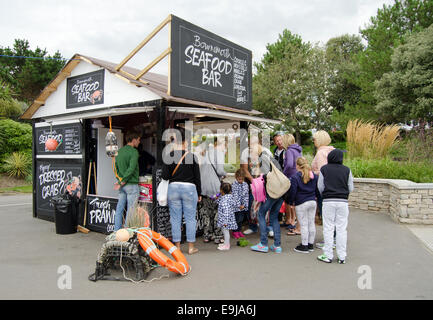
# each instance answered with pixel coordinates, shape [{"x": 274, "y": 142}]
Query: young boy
[
  {"x": 335, "y": 183},
  {"x": 240, "y": 192}
]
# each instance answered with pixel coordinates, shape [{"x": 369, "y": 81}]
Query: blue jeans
[
  {"x": 251, "y": 224},
  {"x": 272, "y": 205},
  {"x": 182, "y": 199},
  {"x": 128, "y": 194}
]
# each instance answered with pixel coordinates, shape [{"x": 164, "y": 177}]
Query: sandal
[
  {"x": 293, "y": 233},
  {"x": 192, "y": 251},
  {"x": 206, "y": 240}
]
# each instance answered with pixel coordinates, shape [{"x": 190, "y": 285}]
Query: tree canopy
[
  {"x": 279, "y": 84},
  {"x": 26, "y": 77},
  {"x": 386, "y": 31},
  {"x": 406, "y": 92}
]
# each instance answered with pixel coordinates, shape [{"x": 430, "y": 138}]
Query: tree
[
  {"x": 26, "y": 77},
  {"x": 318, "y": 85},
  {"x": 340, "y": 54},
  {"x": 384, "y": 33},
  {"x": 287, "y": 46},
  {"x": 406, "y": 92},
  {"x": 279, "y": 86}
]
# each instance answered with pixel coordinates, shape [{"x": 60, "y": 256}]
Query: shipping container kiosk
[{"x": 209, "y": 82}]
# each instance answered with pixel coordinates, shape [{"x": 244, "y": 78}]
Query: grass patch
[
  {"x": 419, "y": 172},
  {"x": 21, "y": 189}
]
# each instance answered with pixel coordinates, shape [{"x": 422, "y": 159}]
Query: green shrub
[
  {"x": 10, "y": 108},
  {"x": 420, "y": 172},
  {"x": 15, "y": 137},
  {"x": 29, "y": 178},
  {"x": 337, "y": 136},
  {"x": 339, "y": 145},
  {"x": 414, "y": 149},
  {"x": 306, "y": 137},
  {"x": 18, "y": 165},
  {"x": 308, "y": 149}
]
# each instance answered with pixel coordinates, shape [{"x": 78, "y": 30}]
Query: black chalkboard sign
[
  {"x": 85, "y": 89},
  {"x": 208, "y": 68},
  {"x": 68, "y": 137},
  {"x": 53, "y": 178},
  {"x": 100, "y": 213}
]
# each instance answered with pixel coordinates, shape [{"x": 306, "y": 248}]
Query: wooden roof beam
[
  {"x": 153, "y": 63},
  {"x": 131, "y": 76},
  {"x": 143, "y": 43}
]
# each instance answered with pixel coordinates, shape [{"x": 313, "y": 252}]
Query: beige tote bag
[{"x": 277, "y": 183}]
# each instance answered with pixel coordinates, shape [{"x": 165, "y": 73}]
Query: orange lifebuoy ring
[{"x": 180, "y": 265}]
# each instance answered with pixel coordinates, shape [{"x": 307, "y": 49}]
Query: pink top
[
  {"x": 258, "y": 189},
  {"x": 321, "y": 158}
]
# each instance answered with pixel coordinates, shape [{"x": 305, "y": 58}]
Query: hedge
[{"x": 14, "y": 137}]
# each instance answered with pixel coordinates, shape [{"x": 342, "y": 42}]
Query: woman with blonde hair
[
  {"x": 293, "y": 152},
  {"x": 321, "y": 141},
  {"x": 303, "y": 192}
]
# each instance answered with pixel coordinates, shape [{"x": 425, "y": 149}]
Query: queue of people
[{"x": 196, "y": 179}]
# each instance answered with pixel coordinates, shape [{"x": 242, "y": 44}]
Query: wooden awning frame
[{"x": 166, "y": 52}]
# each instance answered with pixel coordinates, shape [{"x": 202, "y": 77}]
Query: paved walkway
[
  {"x": 424, "y": 234},
  {"x": 385, "y": 260}
]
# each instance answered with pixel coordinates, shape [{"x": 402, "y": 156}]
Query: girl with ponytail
[{"x": 303, "y": 192}]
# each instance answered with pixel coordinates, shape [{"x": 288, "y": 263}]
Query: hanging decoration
[{"x": 111, "y": 146}]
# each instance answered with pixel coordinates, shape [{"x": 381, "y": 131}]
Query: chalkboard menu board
[
  {"x": 208, "y": 68},
  {"x": 68, "y": 137},
  {"x": 53, "y": 178},
  {"x": 100, "y": 213},
  {"x": 85, "y": 89}
]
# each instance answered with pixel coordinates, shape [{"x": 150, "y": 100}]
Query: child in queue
[
  {"x": 335, "y": 183},
  {"x": 303, "y": 192},
  {"x": 240, "y": 192},
  {"x": 226, "y": 220}
]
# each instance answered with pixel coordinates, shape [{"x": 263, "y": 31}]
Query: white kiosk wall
[{"x": 105, "y": 176}]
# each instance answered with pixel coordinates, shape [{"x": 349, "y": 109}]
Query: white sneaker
[
  {"x": 223, "y": 247},
  {"x": 271, "y": 234},
  {"x": 248, "y": 231}
]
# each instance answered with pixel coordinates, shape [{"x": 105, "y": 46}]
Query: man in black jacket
[{"x": 335, "y": 183}]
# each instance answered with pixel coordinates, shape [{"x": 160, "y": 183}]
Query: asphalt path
[{"x": 385, "y": 261}]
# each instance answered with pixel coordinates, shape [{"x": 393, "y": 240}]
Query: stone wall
[{"x": 403, "y": 200}]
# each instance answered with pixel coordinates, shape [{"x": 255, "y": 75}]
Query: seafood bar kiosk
[{"x": 209, "y": 82}]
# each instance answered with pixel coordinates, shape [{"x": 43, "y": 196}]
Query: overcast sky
[{"x": 110, "y": 29}]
